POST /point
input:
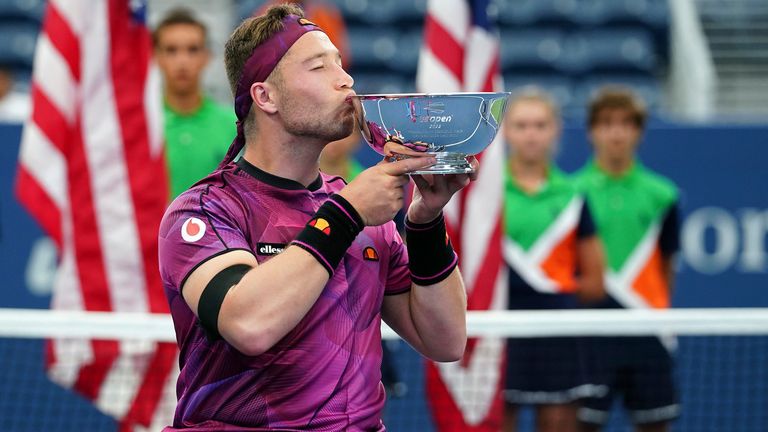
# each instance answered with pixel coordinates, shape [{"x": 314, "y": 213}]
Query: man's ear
[{"x": 263, "y": 95}]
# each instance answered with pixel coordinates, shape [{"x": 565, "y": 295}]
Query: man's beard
[{"x": 313, "y": 125}]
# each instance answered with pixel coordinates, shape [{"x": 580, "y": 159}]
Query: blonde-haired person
[{"x": 554, "y": 261}]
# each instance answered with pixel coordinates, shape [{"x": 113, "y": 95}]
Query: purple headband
[{"x": 257, "y": 68}]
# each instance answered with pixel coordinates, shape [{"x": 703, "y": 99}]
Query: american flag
[
  {"x": 92, "y": 173},
  {"x": 461, "y": 53}
]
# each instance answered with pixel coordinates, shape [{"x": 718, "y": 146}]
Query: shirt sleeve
[
  {"x": 197, "y": 227},
  {"x": 398, "y": 276},
  {"x": 586, "y": 226},
  {"x": 669, "y": 238}
]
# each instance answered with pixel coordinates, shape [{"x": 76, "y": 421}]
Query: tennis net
[{"x": 720, "y": 364}]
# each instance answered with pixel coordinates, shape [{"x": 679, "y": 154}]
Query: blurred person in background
[
  {"x": 15, "y": 106},
  {"x": 555, "y": 260},
  {"x": 636, "y": 215},
  {"x": 327, "y": 16},
  {"x": 197, "y": 129}
]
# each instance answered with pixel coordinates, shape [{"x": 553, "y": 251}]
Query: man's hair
[
  {"x": 533, "y": 93},
  {"x": 250, "y": 34},
  {"x": 617, "y": 98},
  {"x": 178, "y": 16}
]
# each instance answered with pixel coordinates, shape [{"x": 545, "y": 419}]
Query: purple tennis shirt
[{"x": 325, "y": 373}]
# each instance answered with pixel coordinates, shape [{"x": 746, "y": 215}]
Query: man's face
[
  {"x": 314, "y": 94},
  {"x": 182, "y": 56},
  {"x": 531, "y": 130},
  {"x": 615, "y": 134}
]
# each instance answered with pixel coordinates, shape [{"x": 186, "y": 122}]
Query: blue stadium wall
[{"x": 721, "y": 171}]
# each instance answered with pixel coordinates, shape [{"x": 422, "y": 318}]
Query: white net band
[{"x": 32, "y": 324}]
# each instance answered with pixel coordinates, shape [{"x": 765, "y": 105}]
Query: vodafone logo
[{"x": 192, "y": 230}]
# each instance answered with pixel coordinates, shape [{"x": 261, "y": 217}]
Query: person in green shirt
[
  {"x": 635, "y": 212},
  {"x": 554, "y": 260},
  {"x": 198, "y": 131}
]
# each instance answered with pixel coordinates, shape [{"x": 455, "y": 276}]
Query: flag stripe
[
  {"x": 61, "y": 36},
  {"x": 461, "y": 54},
  {"x": 444, "y": 47},
  {"x": 149, "y": 396},
  {"x": 91, "y": 171},
  {"x": 36, "y": 199},
  {"x": 48, "y": 120},
  {"x": 146, "y": 182}
]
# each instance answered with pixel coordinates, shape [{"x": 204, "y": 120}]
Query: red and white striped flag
[
  {"x": 92, "y": 173},
  {"x": 461, "y": 53}
]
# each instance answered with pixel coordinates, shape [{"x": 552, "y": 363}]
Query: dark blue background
[{"x": 725, "y": 380}]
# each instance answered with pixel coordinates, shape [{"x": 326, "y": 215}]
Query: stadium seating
[
  {"x": 21, "y": 10},
  {"x": 530, "y": 13},
  {"x": 381, "y": 12},
  {"x": 560, "y": 86},
  {"x": 565, "y": 46},
  {"x": 17, "y": 44},
  {"x": 608, "y": 50},
  {"x": 379, "y": 49},
  {"x": 531, "y": 50}
]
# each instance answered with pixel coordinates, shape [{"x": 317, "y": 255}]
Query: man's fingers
[
  {"x": 405, "y": 166},
  {"x": 420, "y": 181},
  {"x": 392, "y": 148}
]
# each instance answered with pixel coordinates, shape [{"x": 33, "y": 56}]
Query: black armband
[
  {"x": 212, "y": 297},
  {"x": 431, "y": 257},
  {"x": 330, "y": 232}
]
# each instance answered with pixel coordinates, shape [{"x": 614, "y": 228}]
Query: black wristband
[
  {"x": 330, "y": 232},
  {"x": 431, "y": 257}
]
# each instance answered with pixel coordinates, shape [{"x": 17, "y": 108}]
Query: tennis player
[
  {"x": 554, "y": 260},
  {"x": 278, "y": 276},
  {"x": 635, "y": 213}
]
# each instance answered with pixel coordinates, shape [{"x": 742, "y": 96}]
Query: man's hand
[
  {"x": 433, "y": 191},
  {"x": 377, "y": 193}
]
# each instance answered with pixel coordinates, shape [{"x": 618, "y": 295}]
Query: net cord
[{"x": 36, "y": 323}]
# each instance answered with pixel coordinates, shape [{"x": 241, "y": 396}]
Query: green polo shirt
[
  {"x": 625, "y": 207},
  {"x": 196, "y": 143},
  {"x": 528, "y": 215}
]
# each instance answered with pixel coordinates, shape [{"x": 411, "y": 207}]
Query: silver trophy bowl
[{"x": 449, "y": 126}]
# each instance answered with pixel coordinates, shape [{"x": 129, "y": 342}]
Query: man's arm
[
  {"x": 267, "y": 302},
  {"x": 431, "y": 319},
  {"x": 432, "y": 315},
  {"x": 270, "y": 299}
]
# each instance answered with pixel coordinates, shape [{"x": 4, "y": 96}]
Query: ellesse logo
[
  {"x": 321, "y": 224},
  {"x": 269, "y": 249},
  {"x": 192, "y": 230},
  {"x": 370, "y": 254}
]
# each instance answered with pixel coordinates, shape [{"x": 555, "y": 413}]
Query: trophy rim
[{"x": 422, "y": 95}]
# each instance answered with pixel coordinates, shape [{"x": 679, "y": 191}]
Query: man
[
  {"x": 635, "y": 211},
  {"x": 196, "y": 128},
  {"x": 278, "y": 276}
]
